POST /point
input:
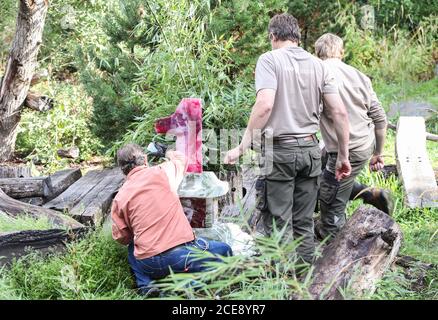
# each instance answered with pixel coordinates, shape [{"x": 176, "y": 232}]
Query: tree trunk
[
  {"x": 19, "y": 70},
  {"x": 358, "y": 257}
]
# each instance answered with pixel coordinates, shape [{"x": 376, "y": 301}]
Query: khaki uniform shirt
[
  {"x": 364, "y": 109},
  {"x": 300, "y": 80}
]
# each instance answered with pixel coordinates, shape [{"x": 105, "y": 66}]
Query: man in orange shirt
[{"x": 147, "y": 215}]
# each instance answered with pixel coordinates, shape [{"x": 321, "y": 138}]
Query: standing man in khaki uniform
[
  {"x": 367, "y": 133},
  {"x": 291, "y": 85}
]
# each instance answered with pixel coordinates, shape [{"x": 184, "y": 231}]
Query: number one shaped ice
[{"x": 186, "y": 125}]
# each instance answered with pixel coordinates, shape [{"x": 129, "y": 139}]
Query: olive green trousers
[{"x": 288, "y": 193}]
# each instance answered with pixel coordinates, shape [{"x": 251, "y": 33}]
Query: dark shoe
[{"x": 381, "y": 199}]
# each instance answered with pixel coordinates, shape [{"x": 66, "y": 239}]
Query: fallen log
[
  {"x": 358, "y": 256},
  {"x": 26, "y": 187},
  {"x": 15, "y": 172},
  {"x": 90, "y": 197},
  {"x": 94, "y": 206},
  {"x": 15, "y": 208},
  {"x": 38, "y": 102},
  {"x": 16, "y": 244},
  {"x": 61, "y": 180}
]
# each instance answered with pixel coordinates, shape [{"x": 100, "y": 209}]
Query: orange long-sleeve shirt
[{"x": 147, "y": 210}]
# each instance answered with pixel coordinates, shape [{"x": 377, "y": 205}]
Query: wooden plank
[
  {"x": 15, "y": 172},
  {"x": 16, "y": 244},
  {"x": 26, "y": 187},
  {"x": 413, "y": 163},
  {"x": 16, "y": 208},
  {"x": 63, "y": 179},
  {"x": 92, "y": 208},
  {"x": 70, "y": 197},
  {"x": 358, "y": 257}
]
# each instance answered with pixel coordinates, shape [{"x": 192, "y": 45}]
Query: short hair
[
  {"x": 328, "y": 46},
  {"x": 284, "y": 27},
  {"x": 130, "y": 156}
]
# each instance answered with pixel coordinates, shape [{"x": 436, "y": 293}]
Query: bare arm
[
  {"x": 378, "y": 115},
  {"x": 339, "y": 115},
  {"x": 175, "y": 168},
  {"x": 260, "y": 114}
]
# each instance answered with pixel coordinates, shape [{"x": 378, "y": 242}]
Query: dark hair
[
  {"x": 129, "y": 157},
  {"x": 284, "y": 27}
]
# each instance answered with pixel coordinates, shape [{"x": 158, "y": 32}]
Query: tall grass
[{"x": 8, "y": 223}]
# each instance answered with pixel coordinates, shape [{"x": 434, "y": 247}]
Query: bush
[
  {"x": 139, "y": 79},
  {"x": 394, "y": 56},
  {"x": 66, "y": 125}
]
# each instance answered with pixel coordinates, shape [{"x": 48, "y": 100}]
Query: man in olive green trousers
[
  {"x": 367, "y": 134},
  {"x": 291, "y": 85}
]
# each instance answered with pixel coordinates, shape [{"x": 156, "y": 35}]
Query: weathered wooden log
[
  {"x": 70, "y": 153},
  {"x": 15, "y": 172},
  {"x": 94, "y": 206},
  {"x": 89, "y": 198},
  {"x": 358, "y": 256},
  {"x": 16, "y": 208},
  {"x": 26, "y": 187},
  {"x": 38, "y": 102},
  {"x": 61, "y": 180},
  {"x": 16, "y": 244}
]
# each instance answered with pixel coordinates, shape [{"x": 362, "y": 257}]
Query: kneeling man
[{"x": 147, "y": 215}]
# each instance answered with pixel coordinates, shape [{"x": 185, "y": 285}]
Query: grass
[{"x": 9, "y": 224}]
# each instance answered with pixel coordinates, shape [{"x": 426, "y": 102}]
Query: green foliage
[
  {"x": 25, "y": 222},
  {"x": 402, "y": 13},
  {"x": 246, "y": 22},
  {"x": 8, "y": 12},
  {"x": 396, "y": 56},
  {"x": 67, "y": 124},
  {"x": 70, "y": 25},
  {"x": 133, "y": 81}
]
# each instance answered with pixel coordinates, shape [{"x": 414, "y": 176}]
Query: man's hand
[
  {"x": 232, "y": 156},
  {"x": 376, "y": 163},
  {"x": 343, "y": 169}
]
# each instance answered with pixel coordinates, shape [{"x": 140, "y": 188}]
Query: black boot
[{"x": 379, "y": 198}]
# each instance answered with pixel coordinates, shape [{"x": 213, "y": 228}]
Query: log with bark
[
  {"x": 19, "y": 70},
  {"x": 14, "y": 172},
  {"x": 26, "y": 187},
  {"x": 16, "y": 244},
  {"x": 38, "y": 102},
  {"x": 360, "y": 254},
  {"x": 15, "y": 208}
]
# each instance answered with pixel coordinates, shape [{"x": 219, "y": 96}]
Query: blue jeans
[{"x": 181, "y": 258}]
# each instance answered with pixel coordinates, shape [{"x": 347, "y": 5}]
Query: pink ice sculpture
[{"x": 186, "y": 125}]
